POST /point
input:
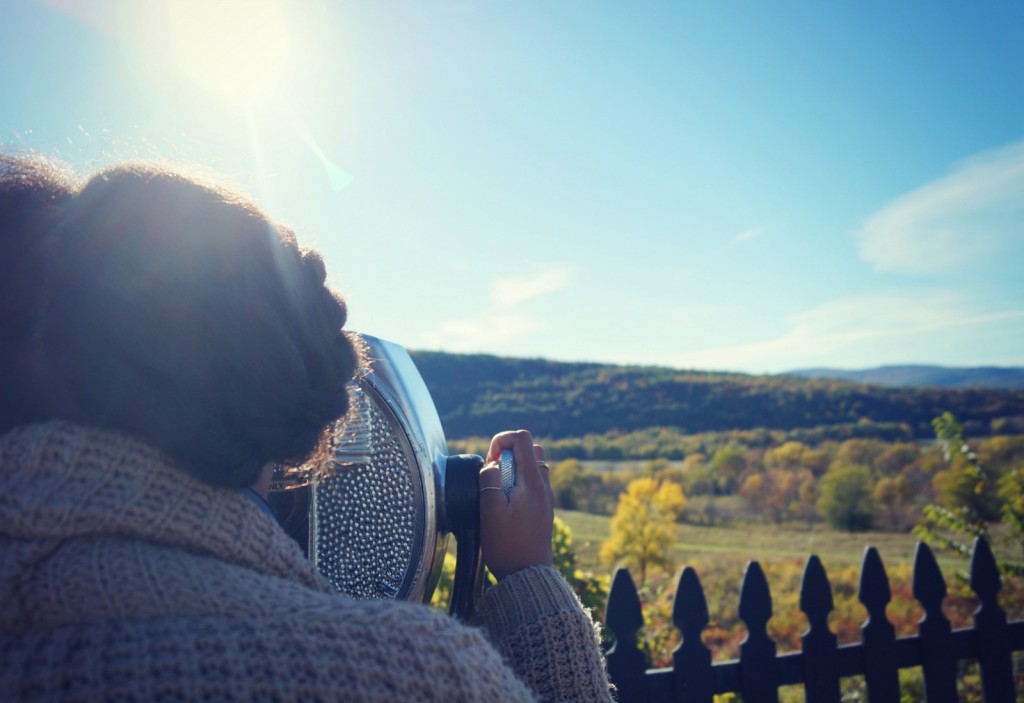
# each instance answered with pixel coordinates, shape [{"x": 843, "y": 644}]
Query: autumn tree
[
  {"x": 859, "y": 452},
  {"x": 592, "y": 590},
  {"x": 1011, "y": 490},
  {"x": 897, "y": 457},
  {"x": 780, "y": 494},
  {"x": 698, "y": 476},
  {"x": 693, "y": 461},
  {"x": 565, "y": 479},
  {"x": 644, "y": 525},
  {"x": 892, "y": 496},
  {"x": 817, "y": 460},
  {"x": 675, "y": 474},
  {"x": 787, "y": 457},
  {"x": 846, "y": 500},
  {"x": 729, "y": 463},
  {"x": 1001, "y": 451},
  {"x": 579, "y": 488},
  {"x": 959, "y": 487},
  {"x": 805, "y": 503}
]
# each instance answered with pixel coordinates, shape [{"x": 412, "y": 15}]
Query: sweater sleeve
[{"x": 546, "y": 636}]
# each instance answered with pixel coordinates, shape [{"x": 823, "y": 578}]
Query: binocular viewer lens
[{"x": 376, "y": 519}]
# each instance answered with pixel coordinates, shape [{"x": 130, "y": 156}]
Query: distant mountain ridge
[
  {"x": 918, "y": 375},
  {"x": 476, "y": 394}
]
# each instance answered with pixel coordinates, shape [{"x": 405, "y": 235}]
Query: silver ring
[
  {"x": 543, "y": 463},
  {"x": 491, "y": 488}
]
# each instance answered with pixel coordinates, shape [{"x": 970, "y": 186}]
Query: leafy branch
[{"x": 954, "y": 529}]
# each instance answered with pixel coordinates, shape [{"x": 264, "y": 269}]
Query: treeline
[
  {"x": 476, "y": 394},
  {"x": 858, "y": 484},
  {"x": 669, "y": 443}
]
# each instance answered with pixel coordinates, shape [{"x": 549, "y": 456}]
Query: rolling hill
[
  {"x": 921, "y": 375},
  {"x": 477, "y": 393}
]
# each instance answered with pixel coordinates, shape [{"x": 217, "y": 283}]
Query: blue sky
[{"x": 719, "y": 185}]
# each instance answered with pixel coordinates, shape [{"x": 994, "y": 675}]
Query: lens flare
[{"x": 338, "y": 178}]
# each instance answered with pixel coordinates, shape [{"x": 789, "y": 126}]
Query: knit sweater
[{"x": 124, "y": 578}]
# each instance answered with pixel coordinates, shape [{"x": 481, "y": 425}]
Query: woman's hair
[
  {"x": 176, "y": 311},
  {"x": 31, "y": 189}
]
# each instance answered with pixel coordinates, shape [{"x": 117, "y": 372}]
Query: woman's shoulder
[{"x": 325, "y": 647}]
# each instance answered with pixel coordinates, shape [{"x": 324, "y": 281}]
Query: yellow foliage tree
[{"x": 644, "y": 525}]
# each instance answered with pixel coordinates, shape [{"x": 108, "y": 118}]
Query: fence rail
[{"x": 821, "y": 663}]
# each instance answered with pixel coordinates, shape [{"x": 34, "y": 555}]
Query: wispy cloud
[
  {"x": 976, "y": 209},
  {"x": 502, "y": 320},
  {"x": 488, "y": 330},
  {"x": 510, "y": 291},
  {"x": 820, "y": 335},
  {"x": 747, "y": 235}
]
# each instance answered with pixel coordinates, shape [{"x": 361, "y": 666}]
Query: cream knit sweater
[{"x": 123, "y": 578}]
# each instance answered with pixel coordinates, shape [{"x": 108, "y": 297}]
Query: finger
[
  {"x": 527, "y": 472},
  {"x": 542, "y": 464},
  {"x": 502, "y": 440},
  {"x": 491, "y": 494},
  {"x": 521, "y": 444}
]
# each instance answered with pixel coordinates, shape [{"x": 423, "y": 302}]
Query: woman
[{"x": 162, "y": 342}]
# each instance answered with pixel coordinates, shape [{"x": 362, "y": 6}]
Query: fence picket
[
  {"x": 820, "y": 660},
  {"x": 937, "y": 661},
  {"x": 624, "y": 617},
  {"x": 759, "y": 671},
  {"x": 691, "y": 660},
  {"x": 990, "y": 627},
  {"x": 877, "y": 633},
  {"x": 758, "y": 677}
]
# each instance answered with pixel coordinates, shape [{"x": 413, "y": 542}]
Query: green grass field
[{"x": 764, "y": 543}]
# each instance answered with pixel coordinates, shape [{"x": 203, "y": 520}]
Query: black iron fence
[{"x": 879, "y": 656}]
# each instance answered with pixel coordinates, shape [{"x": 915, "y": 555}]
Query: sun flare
[{"x": 241, "y": 51}]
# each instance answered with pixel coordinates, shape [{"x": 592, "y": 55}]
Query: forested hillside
[
  {"x": 477, "y": 393},
  {"x": 919, "y": 375}
]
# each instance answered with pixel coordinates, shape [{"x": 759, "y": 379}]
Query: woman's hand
[{"x": 515, "y": 530}]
